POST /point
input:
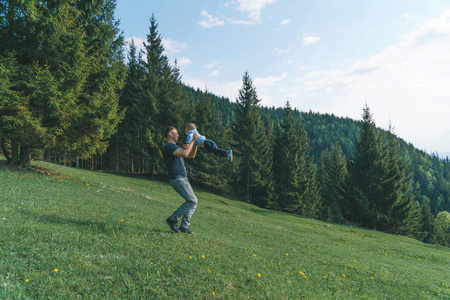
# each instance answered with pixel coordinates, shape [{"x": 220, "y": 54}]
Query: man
[{"x": 174, "y": 159}]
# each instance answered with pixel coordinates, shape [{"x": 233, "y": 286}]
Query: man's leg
[
  {"x": 212, "y": 147},
  {"x": 183, "y": 187}
]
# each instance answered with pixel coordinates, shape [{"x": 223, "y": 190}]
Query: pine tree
[
  {"x": 47, "y": 46},
  {"x": 133, "y": 94},
  {"x": 250, "y": 147},
  {"x": 164, "y": 90},
  {"x": 295, "y": 186},
  {"x": 398, "y": 199},
  {"x": 332, "y": 175},
  {"x": 366, "y": 175},
  {"x": 207, "y": 168}
]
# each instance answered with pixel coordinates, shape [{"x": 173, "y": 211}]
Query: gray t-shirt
[{"x": 175, "y": 164}]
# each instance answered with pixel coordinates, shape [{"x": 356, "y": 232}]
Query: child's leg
[{"x": 212, "y": 147}]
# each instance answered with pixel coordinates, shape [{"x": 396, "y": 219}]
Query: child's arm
[{"x": 189, "y": 137}]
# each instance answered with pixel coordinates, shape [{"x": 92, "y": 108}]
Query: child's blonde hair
[{"x": 190, "y": 126}]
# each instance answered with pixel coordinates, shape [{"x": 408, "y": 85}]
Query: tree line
[{"x": 67, "y": 96}]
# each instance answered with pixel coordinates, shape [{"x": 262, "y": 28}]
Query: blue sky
[{"x": 324, "y": 56}]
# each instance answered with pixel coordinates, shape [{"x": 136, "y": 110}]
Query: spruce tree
[
  {"x": 250, "y": 147},
  {"x": 295, "y": 184},
  {"x": 366, "y": 175},
  {"x": 208, "y": 169},
  {"x": 332, "y": 175}
]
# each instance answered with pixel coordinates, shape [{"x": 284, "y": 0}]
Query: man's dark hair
[{"x": 168, "y": 130}]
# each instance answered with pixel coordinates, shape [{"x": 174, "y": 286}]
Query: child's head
[{"x": 190, "y": 126}]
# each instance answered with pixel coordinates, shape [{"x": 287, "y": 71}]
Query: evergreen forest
[{"x": 71, "y": 94}]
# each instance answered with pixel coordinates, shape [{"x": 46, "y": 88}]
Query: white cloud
[
  {"x": 215, "y": 73},
  {"x": 209, "y": 20},
  {"x": 282, "y": 51},
  {"x": 404, "y": 16},
  {"x": 285, "y": 22},
  {"x": 407, "y": 83},
  {"x": 310, "y": 39},
  {"x": 253, "y": 7},
  {"x": 171, "y": 46},
  {"x": 184, "y": 61},
  {"x": 261, "y": 82}
]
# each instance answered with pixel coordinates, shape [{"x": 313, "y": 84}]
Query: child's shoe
[{"x": 230, "y": 155}]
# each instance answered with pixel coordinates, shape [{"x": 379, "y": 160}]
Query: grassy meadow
[{"x": 75, "y": 234}]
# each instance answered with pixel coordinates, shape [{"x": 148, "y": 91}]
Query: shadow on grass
[{"x": 101, "y": 227}]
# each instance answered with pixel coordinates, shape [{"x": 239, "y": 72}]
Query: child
[{"x": 209, "y": 145}]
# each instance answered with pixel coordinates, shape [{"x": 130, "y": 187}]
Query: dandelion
[
  {"x": 371, "y": 277},
  {"x": 324, "y": 262},
  {"x": 343, "y": 275},
  {"x": 230, "y": 234},
  {"x": 235, "y": 223},
  {"x": 259, "y": 275},
  {"x": 250, "y": 272},
  {"x": 301, "y": 273},
  {"x": 121, "y": 220},
  {"x": 214, "y": 293},
  {"x": 27, "y": 280},
  {"x": 254, "y": 254},
  {"x": 56, "y": 270},
  {"x": 305, "y": 277},
  {"x": 249, "y": 234},
  {"x": 203, "y": 256},
  {"x": 209, "y": 271},
  {"x": 325, "y": 277},
  {"x": 190, "y": 256},
  {"x": 169, "y": 270},
  {"x": 287, "y": 254},
  {"x": 87, "y": 184}
]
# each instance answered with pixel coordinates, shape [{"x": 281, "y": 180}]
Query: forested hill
[{"x": 430, "y": 174}]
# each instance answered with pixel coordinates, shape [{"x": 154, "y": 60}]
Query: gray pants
[{"x": 182, "y": 186}]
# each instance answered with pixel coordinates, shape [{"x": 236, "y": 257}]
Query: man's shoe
[
  {"x": 186, "y": 230},
  {"x": 173, "y": 225},
  {"x": 230, "y": 155}
]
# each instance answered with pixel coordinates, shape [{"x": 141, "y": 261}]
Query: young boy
[{"x": 209, "y": 145}]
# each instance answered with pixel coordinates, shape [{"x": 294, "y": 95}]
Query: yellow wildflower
[
  {"x": 259, "y": 275},
  {"x": 56, "y": 270}
]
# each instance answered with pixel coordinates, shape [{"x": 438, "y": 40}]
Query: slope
[{"x": 70, "y": 233}]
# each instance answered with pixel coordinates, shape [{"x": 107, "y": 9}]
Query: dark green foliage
[
  {"x": 249, "y": 143},
  {"x": 332, "y": 173},
  {"x": 208, "y": 170},
  {"x": 68, "y": 69},
  {"x": 294, "y": 176}
]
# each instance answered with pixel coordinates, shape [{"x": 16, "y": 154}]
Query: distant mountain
[{"x": 430, "y": 173}]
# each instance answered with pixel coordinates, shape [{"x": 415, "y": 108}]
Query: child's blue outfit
[{"x": 208, "y": 144}]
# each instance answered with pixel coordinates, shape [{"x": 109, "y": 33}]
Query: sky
[{"x": 331, "y": 56}]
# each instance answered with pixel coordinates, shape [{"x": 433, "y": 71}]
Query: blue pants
[
  {"x": 185, "y": 211},
  {"x": 212, "y": 147}
]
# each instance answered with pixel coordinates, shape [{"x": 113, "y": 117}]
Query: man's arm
[{"x": 187, "y": 148}]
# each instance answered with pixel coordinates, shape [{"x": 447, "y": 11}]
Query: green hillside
[{"x": 70, "y": 233}]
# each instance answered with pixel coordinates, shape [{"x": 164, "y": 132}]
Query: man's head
[
  {"x": 190, "y": 126},
  {"x": 171, "y": 134}
]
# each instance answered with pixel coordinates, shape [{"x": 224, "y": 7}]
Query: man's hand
[{"x": 184, "y": 146}]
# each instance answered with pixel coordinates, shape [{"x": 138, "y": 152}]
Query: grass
[{"x": 74, "y": 234}]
